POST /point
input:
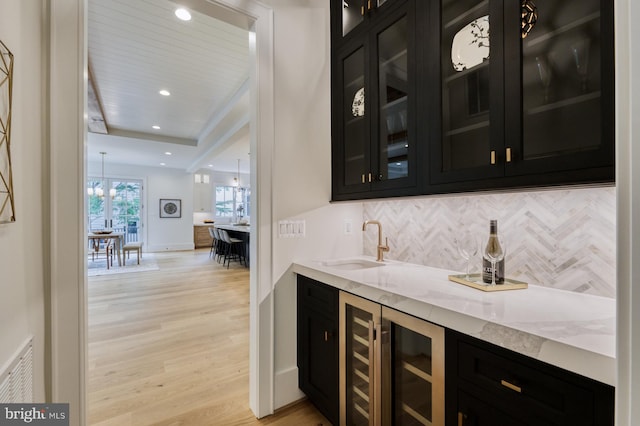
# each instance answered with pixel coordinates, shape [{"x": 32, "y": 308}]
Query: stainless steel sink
[{"x": 351, "y": 264}]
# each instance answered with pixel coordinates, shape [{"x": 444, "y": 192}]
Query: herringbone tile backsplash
[{"x": 557, "y": 238}]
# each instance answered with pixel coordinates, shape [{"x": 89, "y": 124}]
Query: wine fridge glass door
[{"x": 413, "y": 369}]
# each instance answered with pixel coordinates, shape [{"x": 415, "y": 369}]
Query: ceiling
[{"x": 137, "y": 48}]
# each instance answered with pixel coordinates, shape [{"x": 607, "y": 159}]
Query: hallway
[{"x": 171, "y": 347}]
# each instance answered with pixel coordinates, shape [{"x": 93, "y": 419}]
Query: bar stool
[{"x": 234, "y": 248}]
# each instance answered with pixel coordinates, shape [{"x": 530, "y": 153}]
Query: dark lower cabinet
[
  {"x": 489, "y": 385},
  {"x": 318, "y": 345}
]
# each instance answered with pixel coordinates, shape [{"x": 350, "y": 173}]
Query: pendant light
[
  {"x": 100, "y": 191},
  {"x": 236, "y": 180}
]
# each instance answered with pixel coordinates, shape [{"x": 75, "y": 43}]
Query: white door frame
[{"x": 67, "y": 169}]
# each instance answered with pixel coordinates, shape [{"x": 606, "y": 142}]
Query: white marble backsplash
[{"x": 563, "y": 238}]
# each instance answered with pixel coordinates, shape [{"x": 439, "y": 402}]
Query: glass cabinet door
[
  {"x": 393, "y": 79},
  {"x": 413, "y": 350},
  {"x": 562, "y": 79},
  {"x": 355, "y": 167},
  {"x": 471, "y": 87},
  {"x": 355, "y": 12},
  {"x": 358, "y": 318}
]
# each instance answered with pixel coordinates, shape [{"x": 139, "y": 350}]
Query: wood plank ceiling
[{"x": 137, "y": 48}]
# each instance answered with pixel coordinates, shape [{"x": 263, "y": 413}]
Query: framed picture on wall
[{"x": 170, "y": 208}]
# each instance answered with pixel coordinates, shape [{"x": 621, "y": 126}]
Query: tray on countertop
[{"x": 475, "y": 281}]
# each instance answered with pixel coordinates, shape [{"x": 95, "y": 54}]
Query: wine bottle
[{"x": 494, "y": 249}]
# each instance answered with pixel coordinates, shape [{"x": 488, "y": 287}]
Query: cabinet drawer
[
  {"x": 318, "y": 295},
  {"x": 536, "y": 392}
]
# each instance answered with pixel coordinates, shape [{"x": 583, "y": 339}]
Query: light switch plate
[{"x": 291, "y": 228}]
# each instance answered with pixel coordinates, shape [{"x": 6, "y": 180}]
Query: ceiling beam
[
  {"x": 219, "y": 144},
  {"x": 95, "y": 120},
  {"x": 152, "y": 137}
]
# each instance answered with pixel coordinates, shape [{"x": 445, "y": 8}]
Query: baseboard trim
[{"x": 286, "y": 388}]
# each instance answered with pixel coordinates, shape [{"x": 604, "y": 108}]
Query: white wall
[
  {"x": 302, "y": 170},
  {"x": 159, "y": 234},
  {"x": 23, "y": 243}
]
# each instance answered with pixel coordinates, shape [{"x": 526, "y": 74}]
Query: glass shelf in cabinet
[
  {"x": 468, "y": 128},
  {"x": 459, "y": 74},
  {"x": 533, "y": 40},
  {"x": 467, "y": 16},
  {"x": 563, "y": 103}
]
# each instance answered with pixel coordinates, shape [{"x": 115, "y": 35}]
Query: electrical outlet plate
[{"x": 348, "y": 227}]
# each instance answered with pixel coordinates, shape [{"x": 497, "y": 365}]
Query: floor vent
[{"x": 16, "y": 377}]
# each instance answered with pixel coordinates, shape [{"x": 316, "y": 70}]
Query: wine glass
[
  {"x": 467, "y": 245},
  {"x": 495, "y": 257},
  {"x": 544, "y": 71},
  {"x": 580, "y": 52}
]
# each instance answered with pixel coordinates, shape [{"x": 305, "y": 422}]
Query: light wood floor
[{"x": 171, "y": 347}]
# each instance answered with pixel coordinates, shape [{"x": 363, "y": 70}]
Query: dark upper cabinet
[
  {"x": 352, "y": 17},
  {"x": 527, "y": 94},
  {"x": 373, "y": 98},
  {"x": 439, "y": 96}
]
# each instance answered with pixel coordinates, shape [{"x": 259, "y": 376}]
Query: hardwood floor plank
[{"x": 171, "y": 347}]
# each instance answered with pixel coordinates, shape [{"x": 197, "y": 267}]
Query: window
[{"x": 232, "y": 202}]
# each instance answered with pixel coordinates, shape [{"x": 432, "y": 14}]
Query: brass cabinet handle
[
  {"x": 461, "y": 417},
  {"x": 370, "y": 177},
  {"x": 326, "y": 336},
  {"x": 362, "y": 11},
  {"x": 511, "y": 386},
  {"x": 363, "y": 179},
  {"x": 508, "y": 155},
  {"x": 493, "y": 157},
  {"x": 369, "y": 4}
]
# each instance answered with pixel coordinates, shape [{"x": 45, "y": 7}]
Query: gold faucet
[{"x": 381, "y": 248}]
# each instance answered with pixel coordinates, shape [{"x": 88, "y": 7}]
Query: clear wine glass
[
  {"x": 468, "y": 246},
  {"x": 494, "y": 258},
  {"x": 580, "y": 52},
  {"x": 544, "y": 71}
]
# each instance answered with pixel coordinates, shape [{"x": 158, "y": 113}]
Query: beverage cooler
[{"x": 391, "y": 366}]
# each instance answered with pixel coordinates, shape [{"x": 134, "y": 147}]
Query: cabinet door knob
[
  {"x": 493, "y": 157},
  {"x": 508, "y": 154},
  {"x": 327, "y": 334}
]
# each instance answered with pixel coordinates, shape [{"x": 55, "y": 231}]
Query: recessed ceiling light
[
  {"x": 183, "y": 14},
  {"x": 156, "y": 127},
  {"x": 164, "y": 92},
  {"x": 167, "y": 153},
  {"x": 210, "y": 165},
  {"x": 163, "y": 164}
]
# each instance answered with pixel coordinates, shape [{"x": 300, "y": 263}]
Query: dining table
[{"x": 117, "y": 237}]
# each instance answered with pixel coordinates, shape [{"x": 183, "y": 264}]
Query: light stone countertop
[{"x": 573, "y": 331}]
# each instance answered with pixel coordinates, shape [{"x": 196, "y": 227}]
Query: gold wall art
[{"x": 7, "y": 206}]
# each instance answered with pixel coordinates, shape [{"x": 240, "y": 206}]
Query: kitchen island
[
  {"x": 240, "y": 231},
  {"x": 569, "y": 330}
]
